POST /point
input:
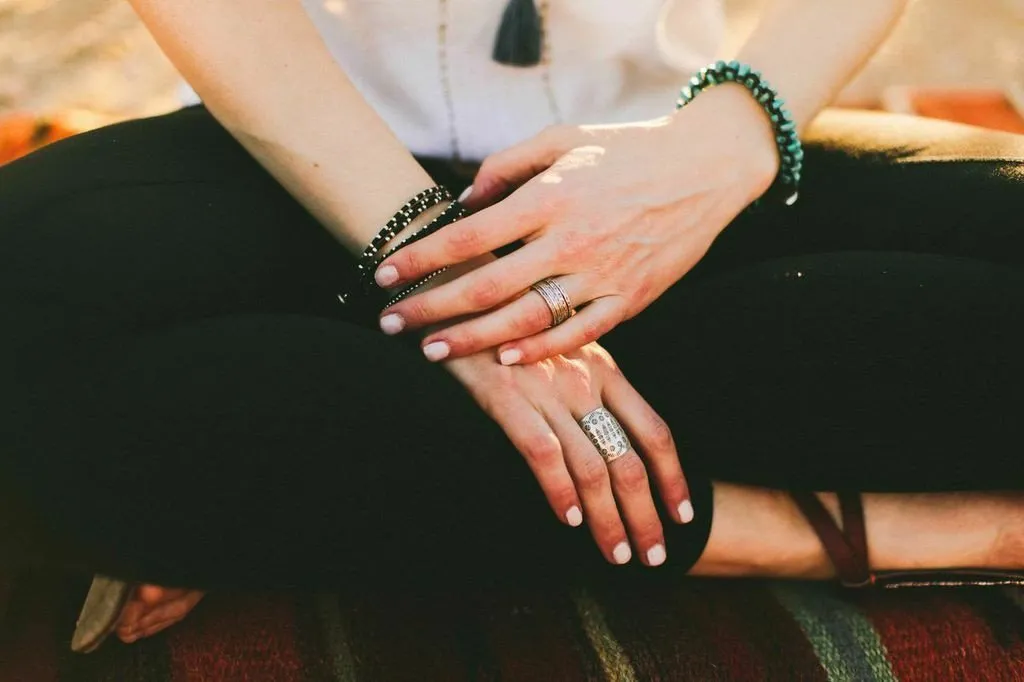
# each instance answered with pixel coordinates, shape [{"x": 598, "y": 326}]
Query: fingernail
[
  {"x": 128, "y": 639},
  {"x": 574, "y": 516},
  {"x": 622, "y": 554},
  {"x": 392, "y": 323},
  {"x": 438, "y": 350},
  {"x": 511, "y": 356},
  {"x": 466, "y": 193},
  {"x": 386, "y": 276},
  {"x": 685, "y": 511},
  {"x": 656, "y": 555}
]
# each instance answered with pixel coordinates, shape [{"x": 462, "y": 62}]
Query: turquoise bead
[
  {"x": 788, "y": 126},
  {"x": 712, "y": 78},
  {"x": 743, "y": 70},
  {"x": 719, "y": 65},
  {"x": 729, "y": 75},
  {"x": 778, "y": 102},
  {"x": 734, "y": 65}
]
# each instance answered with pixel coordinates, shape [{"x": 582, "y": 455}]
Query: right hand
[{"x": 538, "y": 406}]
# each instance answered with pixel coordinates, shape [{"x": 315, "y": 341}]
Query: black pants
[{"x": 184, "y": 400}]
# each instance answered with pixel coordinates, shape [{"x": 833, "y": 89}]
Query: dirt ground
[{"x": 94, "y": 56}]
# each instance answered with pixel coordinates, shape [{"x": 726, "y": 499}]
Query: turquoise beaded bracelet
[{"x": 791, "y": 153}]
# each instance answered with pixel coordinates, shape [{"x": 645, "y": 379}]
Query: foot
[
  {"x": 152, "y": 609},
  {"x": 760, "y": 532}
]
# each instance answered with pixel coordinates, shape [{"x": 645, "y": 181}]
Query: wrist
[{"x": 738, "y": 124}]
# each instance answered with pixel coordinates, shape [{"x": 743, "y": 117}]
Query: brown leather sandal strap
[
  {"x": 848, "y": 554},
  {"x": 852, "y": 511}
]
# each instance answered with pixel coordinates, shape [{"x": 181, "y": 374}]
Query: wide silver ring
[
  {"x": 606, "y": 433},
  {"x": 556, "y": 298}
]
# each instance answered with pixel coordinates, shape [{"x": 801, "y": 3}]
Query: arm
[
  {"x": 265, "y": 74},
  {"x": 620, "y": 213},
  {"x": 810, "y": 49}
]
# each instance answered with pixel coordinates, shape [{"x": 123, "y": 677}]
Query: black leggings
[{"x": 185, "y": 401}]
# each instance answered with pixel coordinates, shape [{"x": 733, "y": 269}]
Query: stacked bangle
[
  {"x": 372, "y": 257},
  {"x": 423, "y": 201},
  {"x": 791, "y": 153}
]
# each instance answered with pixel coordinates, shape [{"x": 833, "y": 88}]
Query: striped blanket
[{"x": 703, "y": 630}]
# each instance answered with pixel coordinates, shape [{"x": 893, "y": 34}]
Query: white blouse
[{"x": 607, "y": 61}]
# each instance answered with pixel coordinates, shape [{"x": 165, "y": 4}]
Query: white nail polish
[
  {"x": 386, "y": 276},
  {"x": 685, "y": 511},
  {"x": 622, "y": 554},
  {"x": 466, "y": 193},
  {"x": 438, "y": 350},
  {"x": 656, "y": 555},
  {"x": 392, "y": 323},
  {"x": 511, "y": 356},
  {"x": 574, "y": 516}
]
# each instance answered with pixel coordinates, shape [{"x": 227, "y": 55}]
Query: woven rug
[{"x": 704, "y": 630}]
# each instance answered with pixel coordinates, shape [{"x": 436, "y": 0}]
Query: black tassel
[{"x": 520, "y": 35}]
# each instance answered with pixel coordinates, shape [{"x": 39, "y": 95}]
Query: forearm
[
  {"x": 265, "y": 74},
  {"x": 810, "y": 49}
]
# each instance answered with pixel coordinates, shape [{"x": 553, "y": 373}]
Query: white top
[{"x": 608, "y": 61}]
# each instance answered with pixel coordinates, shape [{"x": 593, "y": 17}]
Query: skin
[{"x": 576, "y": 195}]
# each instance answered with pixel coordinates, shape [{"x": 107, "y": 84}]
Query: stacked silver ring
[
  {"x": 556, "y": 298},
  {"x": 605, "y": 432}
]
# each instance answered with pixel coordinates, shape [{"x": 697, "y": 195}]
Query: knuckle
[
  {"x": 593, "y": 474},
  {"x": 485, "y": 293},
  {"x": 631, "y": 474},
  {"x": 594, "y": 330},
  {"x": 418, "y": 308},
  {"x": 464, "y": 239},
  {"x": 659, "y": 435},
  {"x": 543, "y": 450},
  {"x": 571, "y": 243}
]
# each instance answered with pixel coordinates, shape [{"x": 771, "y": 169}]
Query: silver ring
[
  {"x": 556, "y": 298},
  {"x": 606, "y": 433}
]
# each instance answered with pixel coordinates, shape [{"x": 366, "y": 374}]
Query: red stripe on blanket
[
  {"x": 238, "y": 638},
  {"x": 937, "y": 635}
]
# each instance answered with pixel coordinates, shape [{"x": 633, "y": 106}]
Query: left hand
[{"x": 616, "y": 213}]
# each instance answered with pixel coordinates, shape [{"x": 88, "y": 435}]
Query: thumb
[{"x": 502, "y": 172}]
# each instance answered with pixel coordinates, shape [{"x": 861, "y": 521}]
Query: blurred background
[{"x": 94, "y": 59}]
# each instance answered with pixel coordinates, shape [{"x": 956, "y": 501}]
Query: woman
[{"x": 190, "y": 404}]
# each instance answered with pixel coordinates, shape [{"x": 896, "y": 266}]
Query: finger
[
  {"x": 131, "y": 614},
  {"x": 502, "y": 172},
  {"x": 468, "y": 238},
  {"x": 168, "y": 613},
  {"x": 520, "y": 318},
  {"x": 590, "y": 323},
  {"x": 480, "y": 289},
  {"x": 593, "y": 484},
  {"x": 533, "y": 438},
  {"x": 632, "y": 490},
  {"x": 654, "y": 440},
  {"x": 157, "y": 594}
]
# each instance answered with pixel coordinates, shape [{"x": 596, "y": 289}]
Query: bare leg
[{"x": 760, "y": 532}]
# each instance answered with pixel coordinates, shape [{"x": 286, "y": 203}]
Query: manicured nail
[
  {"x": 622, "y": 554},
  {"x": 466, "y": 193},
  {"x": 438, "y": 350},
  {"x": 386, "y": 276},
  {"x": 511, "y": 356},
  {"x": 656, "y": 555},
  {"x": 685, "y": 511},
  {"x": 574, "y": 516},
  {"x": 392, "y": 323}
]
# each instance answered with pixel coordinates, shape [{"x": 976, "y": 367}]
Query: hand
[
  {"x": 153, "y": 608},
  {"x": 538, "y": 406},
  {"x": 616, "y": 214}
]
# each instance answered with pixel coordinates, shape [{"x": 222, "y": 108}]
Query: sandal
[
  {"x": 100, "y": 613},
  {"x": 847, "y": 549}
]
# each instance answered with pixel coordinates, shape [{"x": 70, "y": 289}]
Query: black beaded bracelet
[
  {"x": 423, "y": 201},
  {"x": 791, "y": 153},
  {"x": 454, "y": 211}
]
